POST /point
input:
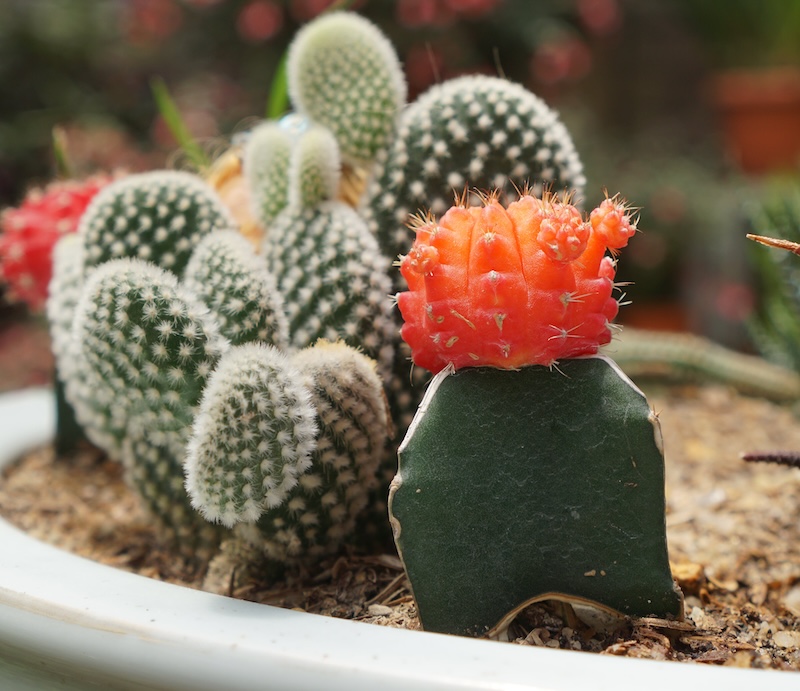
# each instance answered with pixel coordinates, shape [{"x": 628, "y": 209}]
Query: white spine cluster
[
  {"x": 344, "y": 74},
  {"x": 158, "y": 216},
  {"x": 228, "y": 277},
  {"x": 252, "y": 438}
]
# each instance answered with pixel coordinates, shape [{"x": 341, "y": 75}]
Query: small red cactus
[
  {"x": 509, "y": 287},
  {"x": 28, "y": 233}
]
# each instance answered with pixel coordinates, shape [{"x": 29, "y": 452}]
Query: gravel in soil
[{"x": 733, "y": 531}]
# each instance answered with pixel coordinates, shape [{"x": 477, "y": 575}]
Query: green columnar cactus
[
  {"x": 330, "y": 271},
  {"x": 144, "y": 347},
  {"x": 286, "y": 449},
  {"x": 533, "y": 467},
  {"x": 158, "y": 216},
  {"x": 265, "y": 165},
  {"x": 682, "y": 357},
  {"x": 344, "y": 74},
  {"x": 470, "y": 132},
  {"x": 226, "y": 275}
]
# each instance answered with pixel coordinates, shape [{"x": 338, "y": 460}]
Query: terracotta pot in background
[{"x": 760, "y": 117}]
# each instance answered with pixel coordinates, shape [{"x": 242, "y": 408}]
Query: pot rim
[{"x": 67, "y": 619}]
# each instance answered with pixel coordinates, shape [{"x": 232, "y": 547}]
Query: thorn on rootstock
[{"x": 788, "y": 458}]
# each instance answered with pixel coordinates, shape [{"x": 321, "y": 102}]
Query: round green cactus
[
  {"x": 344, "y": 74},
  {"x": 471, "y": 132},
  {"x": 228, "y": 277},
  {"x": 158, "y": 216}
]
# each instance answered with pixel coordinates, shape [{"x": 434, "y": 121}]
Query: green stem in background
[
  {"x": 177, "y": 126},
  {"x": 60, "y": 153},
  {"x": 278, "y": 101}
]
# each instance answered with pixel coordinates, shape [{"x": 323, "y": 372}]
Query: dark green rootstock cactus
[
  {"x": 533, "y": 468},
  {"x": 530, "y": 483}
]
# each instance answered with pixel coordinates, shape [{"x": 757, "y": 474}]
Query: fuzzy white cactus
[
  {"x": 287, "y": 449},
  {"x": 253, "y": 436},
  {"x": 265, "y": 164},
  {"x": 228, "y": 277},
  {"x": 344, "y": 74}
]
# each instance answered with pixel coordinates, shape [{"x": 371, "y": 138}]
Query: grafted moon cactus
[
  {"x": 508, "y": 287},
  {"x": 528, "y": 450}
]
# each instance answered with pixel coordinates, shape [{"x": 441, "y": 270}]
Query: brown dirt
[{"x": 733, "y": 529}]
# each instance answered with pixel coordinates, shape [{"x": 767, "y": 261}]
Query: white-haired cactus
[
  {"x": 158, "y": 216},
  {"x": 226, "y": 275},
  {"x": 314, "y": 169},
  {"x": 253, "y": 436},
  {"x": 265, "y": 164},
  {"x": 471, "y": 132},
  {"x": 286, "y": 449},
  {"x": 330, "y": 271},
  {"x": 344, "y": 74},
  {"x": 144, "y": 348}
]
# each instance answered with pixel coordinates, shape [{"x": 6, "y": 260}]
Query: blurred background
[{"x": 657, "y": 96}]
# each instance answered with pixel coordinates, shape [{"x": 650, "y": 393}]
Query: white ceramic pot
[{"x": 69, "y": 623}]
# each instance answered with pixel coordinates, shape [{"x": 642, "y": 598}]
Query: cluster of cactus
[
  {"x": 254, "y": 377},
  {"x": 173, "y": 343}
]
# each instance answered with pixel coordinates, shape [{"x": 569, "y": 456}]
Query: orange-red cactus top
[{"x": 509, "y": 287}]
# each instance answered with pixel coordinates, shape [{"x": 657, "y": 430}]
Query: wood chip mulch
[{"x": 733, "y": 530}]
